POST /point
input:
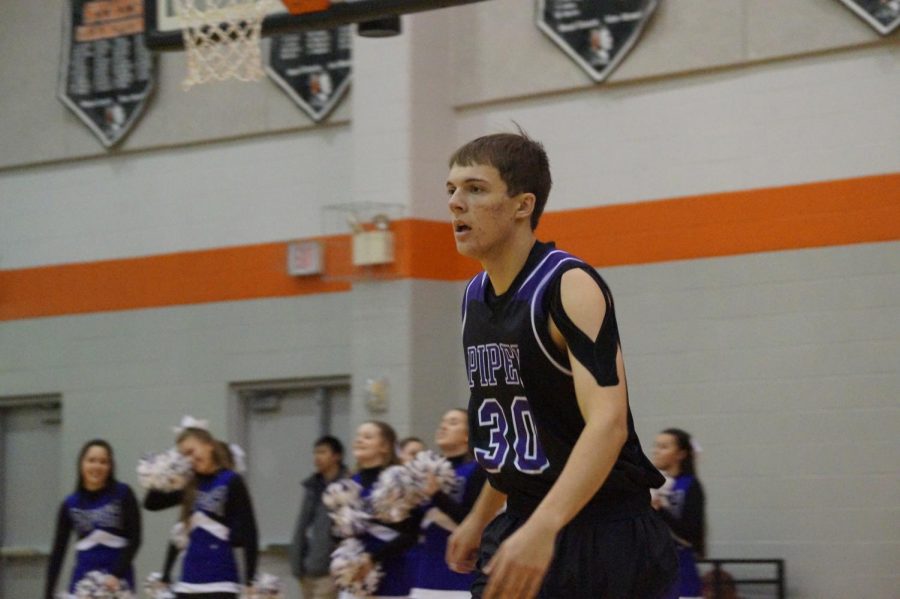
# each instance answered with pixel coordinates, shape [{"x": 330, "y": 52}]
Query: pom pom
[
  {"x": 664, "y": 493},
  {"x": 395, "y": 493},
  {"x": 265, "y": 586},
  {"x": 155, "y": 588},
  {"x": 346, "y": 562},
  {"x": 429, "y": 463},
  {"x": 165, "y": 471},
  {"x": 93, "y": 586},
  {"x": 345, "y": 505}
]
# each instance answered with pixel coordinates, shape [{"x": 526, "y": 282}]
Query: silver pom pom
[
  {"x": 346, "y": 562},
  {"x": 155, "y": 588},
  {"x": 165, "y": 471},
  {"x": 394, "y": 494},
  {"x": 265, "y": 586},
  {"x": 346, "y": 507},
  {"x": 93, "y": 586},
  {"x": 429, "y": 463}
]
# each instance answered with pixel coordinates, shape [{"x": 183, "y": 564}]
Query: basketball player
[{"x": 548, "y": 412}]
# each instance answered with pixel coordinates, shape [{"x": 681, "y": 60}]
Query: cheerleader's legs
[{"x": 206, "y": 596}]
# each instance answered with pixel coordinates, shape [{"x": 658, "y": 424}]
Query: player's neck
[{"x": 503, "y": 267}]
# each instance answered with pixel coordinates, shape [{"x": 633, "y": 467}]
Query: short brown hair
[{"x": 521, "y": 161}]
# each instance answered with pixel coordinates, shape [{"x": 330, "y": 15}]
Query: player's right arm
[{"x": 462, "y": 547}]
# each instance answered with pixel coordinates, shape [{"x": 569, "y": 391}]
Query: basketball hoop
[{"x": 222, "y": 39}]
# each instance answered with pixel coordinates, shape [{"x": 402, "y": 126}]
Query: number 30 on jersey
[{"x": 528, "y": 457}]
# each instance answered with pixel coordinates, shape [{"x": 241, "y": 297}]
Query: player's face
[
  {"x": 95, "y": 467},
  {"x": 666, "y": 454},
  {"x": 483, "y": 214},
  {"x": 453, "y": 433},
  {"x": 369, "y": 447},
  {"x": 199, "y": 453},
  {"x": 410, "y": 450}
]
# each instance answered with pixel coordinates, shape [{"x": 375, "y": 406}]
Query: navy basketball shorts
[{"x": 596, "y": 556}]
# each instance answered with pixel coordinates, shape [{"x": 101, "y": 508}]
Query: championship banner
[
  {"x": 882, "y": 15},
  {"x": 107, "y": 72},
  {"x": 596, "y": 34},
  {"x": 313, "y": 67}
]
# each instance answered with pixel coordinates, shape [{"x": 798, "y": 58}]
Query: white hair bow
[
  {"x": 190, "y": 422},
  {"x": 239, "y": 456}
]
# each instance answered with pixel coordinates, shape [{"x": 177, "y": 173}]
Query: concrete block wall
[
  {"x": 129, "y": 376},
  {"x": 783, "y": 366}
]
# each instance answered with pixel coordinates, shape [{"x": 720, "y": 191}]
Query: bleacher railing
[{"x": 722, "y": 583}]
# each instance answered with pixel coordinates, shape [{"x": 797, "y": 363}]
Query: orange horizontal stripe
[{"x": 821, "y": 214}]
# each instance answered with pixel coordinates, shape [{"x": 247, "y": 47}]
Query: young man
[
  {"x": 548, "y": 412},
  {"x": 310, "y": 551}
]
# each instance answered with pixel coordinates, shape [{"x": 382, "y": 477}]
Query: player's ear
[{"x": 525, "y": 205}]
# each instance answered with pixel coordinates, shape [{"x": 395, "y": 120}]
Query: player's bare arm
[
  {"x": 519, "y": 565},
  {"x": 462, "y": 547}
]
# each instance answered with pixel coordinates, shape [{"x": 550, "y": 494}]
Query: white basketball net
[{"x": 221, "y": 39}]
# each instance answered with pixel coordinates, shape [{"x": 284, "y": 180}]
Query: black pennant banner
[
  {"x": 313, "y": 67},
  {"x": 596, "y": 34},
  {"x": 882, "y": 15},
  {"x": 107, "y": 72}
]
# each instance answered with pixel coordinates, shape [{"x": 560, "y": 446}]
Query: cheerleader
[
  {"x": 682, "y": 507},
  {"x": 104, "y": 515},
  {"x": 217, "y": 514},
  {"x": 433, "y": 579},
  {"x": 178, "y": 536},
  {"x": 386, "y": 544}
]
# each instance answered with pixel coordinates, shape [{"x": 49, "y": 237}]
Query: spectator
[{"x": 310, "y": 551}]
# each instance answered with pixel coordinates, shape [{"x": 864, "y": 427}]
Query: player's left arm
[{"x": 518, "y": 567}]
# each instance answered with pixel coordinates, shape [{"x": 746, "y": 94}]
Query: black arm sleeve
[
  {"x": 155, "y": 501},
  {"x": 58, "y": 552},
  {"x": 458, "y": 511},
  {"x": 407, "y": 537},
  {"x": 689, "y": 527},
  {"x": 239, "y": 512},
  {"x": 598, "y": 356},
  {"x": 171, "y": 556},
  {"x": 131, "y": 517}
]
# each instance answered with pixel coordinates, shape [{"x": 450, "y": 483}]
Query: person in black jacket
[
  {"x": 310, "y": 551},
  {"x": 104, "y": 515},
  {"x": 682, "y": 506}
]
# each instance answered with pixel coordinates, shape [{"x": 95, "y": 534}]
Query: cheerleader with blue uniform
[
  {"x": 433, "y": 579},
  {"x": 105, "y": 517},
  {"x": 681, "y": 504},
  {"x": 218, "y": 515},
  {"x": 387, "y": 544}
]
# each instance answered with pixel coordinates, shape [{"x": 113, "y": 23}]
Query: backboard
[{"x": 163, "y": 31}]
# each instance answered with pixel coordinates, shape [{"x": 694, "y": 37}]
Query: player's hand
[
  {"x": 517, "y": 569},
  {"x": 462, "y": 546}
]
